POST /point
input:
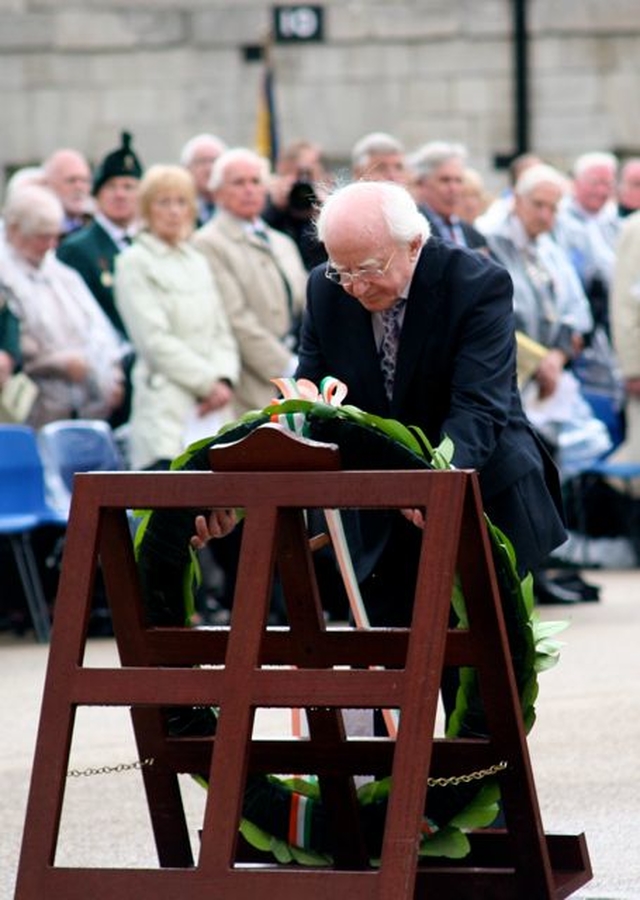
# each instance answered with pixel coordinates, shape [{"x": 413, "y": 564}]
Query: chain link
[
  {"x": 110, "y": 770},
  {"x": 149, "y": 761},
  {"x": 469, "y": 777}
]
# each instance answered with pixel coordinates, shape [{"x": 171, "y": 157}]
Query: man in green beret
[{"x": 92, "y": 250}]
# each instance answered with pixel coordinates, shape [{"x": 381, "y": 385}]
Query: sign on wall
[{"x": 298, "y": 23}]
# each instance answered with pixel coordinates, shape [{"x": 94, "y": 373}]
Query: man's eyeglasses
[{"x": 338, "y": 276}]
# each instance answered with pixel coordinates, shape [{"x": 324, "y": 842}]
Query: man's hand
[
  {"x": 279, "y": 190},
  {"x": 220, "y": 523},
  {"x": 76, "y": 368},
  {"x": 219, "y": 395},
  {"x": 632, "y": 387},
  {"x": 6, "y": 367},
  {"x": 414, "y": 515},
  {"x": 549, "y": 372}
]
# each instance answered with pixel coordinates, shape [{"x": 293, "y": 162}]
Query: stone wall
[{"x": 75, "y": 72}]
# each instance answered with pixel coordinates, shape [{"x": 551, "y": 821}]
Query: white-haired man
[
  {"x": 379, "y": 156},
  {"x": 198, "y": 156},
  {"x": 259, "y": 271},
  {"x": 587, "y": 227},
  {"x": 454, "y": 370},
  {"x": 68, "y": 174},
  {"x": 437, "y": 182}
]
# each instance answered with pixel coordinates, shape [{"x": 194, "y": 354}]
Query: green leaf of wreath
[{"x": 449, "y": 842}]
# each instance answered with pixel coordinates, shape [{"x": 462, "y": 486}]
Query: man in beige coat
[
  {"x": 625, "y": 330},
  {"x": 259, "y": 272}
]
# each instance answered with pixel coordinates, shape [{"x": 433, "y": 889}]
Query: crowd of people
[{"x": 164, "y": 300}]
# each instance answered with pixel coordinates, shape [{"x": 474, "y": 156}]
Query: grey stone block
[{"x": 24, "y": 31}]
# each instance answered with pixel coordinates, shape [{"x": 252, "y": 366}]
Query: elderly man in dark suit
[
  {"x": 437, "y": 183},
  {"x": 453, "y": 373}
]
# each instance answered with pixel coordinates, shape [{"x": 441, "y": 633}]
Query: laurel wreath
[{"x": 285, "y": 817}]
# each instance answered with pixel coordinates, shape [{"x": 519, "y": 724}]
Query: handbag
[{"x": 17, "y": 398}]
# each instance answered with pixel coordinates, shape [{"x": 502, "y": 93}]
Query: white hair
[
  {"x": 592, "y": 160},
  {"x": 22, "y": 177},
  {"x": 237, "y": 154},
  {"x": 192, "y": 146},
  {"x": 395, "y": 206},
  {"x": 33, "y": 209},
  {"x": 377, "y": 143},
  {"x": 537, "y": 174},
  {"x": 431, "y": 156}
]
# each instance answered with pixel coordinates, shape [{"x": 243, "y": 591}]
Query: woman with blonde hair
[{"x": 187, "y": 360}]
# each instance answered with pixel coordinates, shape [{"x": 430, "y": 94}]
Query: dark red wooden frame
[{"x": 159, "y": 667}]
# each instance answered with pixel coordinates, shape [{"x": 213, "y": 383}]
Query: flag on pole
[{"x": 266, "y": 139}]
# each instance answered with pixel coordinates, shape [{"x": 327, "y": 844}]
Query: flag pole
[{"x": 266, "y": 139}]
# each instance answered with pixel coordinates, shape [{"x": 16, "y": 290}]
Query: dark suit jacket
[
  {"x": 92, "y": 252},
  {"x": 474, "y": 239},
  {"x": 455, "y": 375}
]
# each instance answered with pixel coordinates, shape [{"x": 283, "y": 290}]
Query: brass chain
[
  {"x": 470, "y": 776},
  {"x": 109, "y": 770},
  {"x": 149, "y": 761}
]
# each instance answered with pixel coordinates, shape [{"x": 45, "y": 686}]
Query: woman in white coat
[{"x": 187, "y": 361}]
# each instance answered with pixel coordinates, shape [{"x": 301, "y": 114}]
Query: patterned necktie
[
  {"x": 389, "y": 344},
  {"x": 542, "y": 283},
  {"x": 451, "y": 232}
]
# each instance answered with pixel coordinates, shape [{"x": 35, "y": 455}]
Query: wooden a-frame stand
[{"x": 304, "y": 666}]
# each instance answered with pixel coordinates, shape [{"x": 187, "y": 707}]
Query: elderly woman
[
  {"x": 68, "y": 345},
  {"x": 552, "y": 310},
  {"x": 186, "y": 357},
  {"x": 549, "y": 303}
]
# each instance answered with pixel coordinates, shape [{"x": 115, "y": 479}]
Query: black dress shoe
[
  {"x": 573, "y": 581},
  {"x": 547, "y": 591}
]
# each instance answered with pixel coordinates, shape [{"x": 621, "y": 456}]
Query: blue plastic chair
[
  {"x": 608, "y": 411},
  {"x": 75, "y": 445},
  {"x": 23, "y": 509}
]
